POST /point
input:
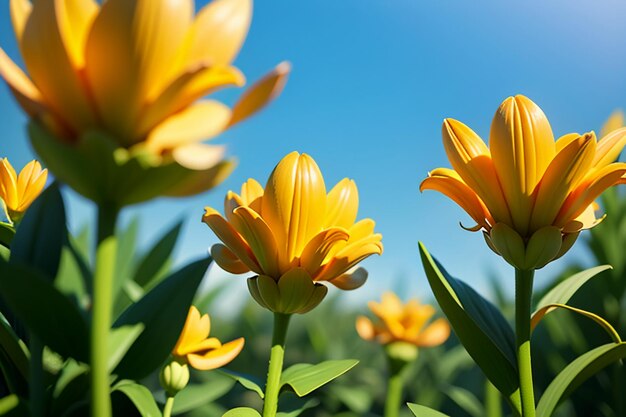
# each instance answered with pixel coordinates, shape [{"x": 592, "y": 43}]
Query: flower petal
[
  {"x": 351, "y": 280},
  {"x": 259, "y": 237},
  {"x": 198, "y": 156},
  {"x": 318, "y": 249},
  {"x": 218, "y": 357},
  {"x": 130, "y": 50},
  {"x": 195, "y": 330},
  {"x": 227, "y": 260},
  {"x": 365, "y": 328},
  {"x": 471, "y": 159},
  {"x": 30, "y": 183},
  {"x": 609, "y": 147},
  {"x": 435, "y": 334},
  {"x": 219, "y": 31},
  {"x": 20, "y": 12},
  {"x": 522, "y": 146},
  {"x": 24, "y": 91},
  {"x": 342, "y": 204},
  {"x": 8, "y": 185},
  {"x": 294, "y": 197},
  {"x": 450, "y": 184},
  {"x": 261, "y": 93},
  {"x": 200, "y": 121},
  {"x": 565, "y": 171},
  {"x": 614, "y": 122},
  {"x": 231, "y": 238}
]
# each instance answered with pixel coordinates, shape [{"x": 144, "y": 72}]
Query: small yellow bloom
[
  {"x": 19, "y": 191},
  {"x": 398, "y": 322},
  {"x": 200, "y": 351},
  {"x": 294, "y": 235},
  {"x": 529, "y": 194},
  {"x": 115, "y": 90}
]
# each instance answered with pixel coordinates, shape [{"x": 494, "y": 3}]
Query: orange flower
[
  {"x": 400, "y": 322},
  {"x": 200, "y": 351},
  {"x": 19, "y": 191}
]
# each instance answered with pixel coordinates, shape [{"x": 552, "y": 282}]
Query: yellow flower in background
[
  {"x": 200, "y": 351},
  {"x": 116, "y": 90},
  {"x": 293, "y": 235},
  {"x": 400, "y": 322},
  {"x": 614, "y": 122},
  {"x": 19, "y": 191},
  {"x": 530, "y": 194}
]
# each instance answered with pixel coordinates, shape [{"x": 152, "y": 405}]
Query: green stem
[
  {"x": 493, "y": 401},
  {"x": 272, "y": 387},
  {"x": 101, "y": 311},
  {"x": 169, "y": 405},
  {"x": 523, "y": 297},
  {"x": 36, "y": 378},
  {"x": 394, "y": 393}
]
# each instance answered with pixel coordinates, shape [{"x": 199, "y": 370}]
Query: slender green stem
[
  {"x": 101, "y": 311},
  {"x": 523, "y": 298},
  {"x": 493, "y": 400},
  {"x": 169, "y": 406},
  {"x": 36, "y": 375},
  {"x": 394, "y": 393},
  {"x": 272, "y": 387}
]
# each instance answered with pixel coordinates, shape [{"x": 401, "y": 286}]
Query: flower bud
[{"x": 174, "y": 377}]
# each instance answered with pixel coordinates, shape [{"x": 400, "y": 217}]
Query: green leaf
[
  {"x": 140, "y": 396},
  {"x": 120, "y": 340},
  {"x": 305, "y": 378},
  {"x": 480, "y": 326},
  {"x": 196, "y": 395},
  {"x": 48, "y": 314},
  {"x": 242, "y": 412},
  {"x": 163, "y": 312},
  {"x": 296, "y": 411},
  {"x": 14, "y": 348},
  {"x": 466, "y": 400},
  {"x": 357, "y": 399},
  {"x": 72, "y": 277},
  {"x": 13, "y": 406},
  {"x": 562, "y": 293},
  {"x": 70, "y": 388},
  {"x": 578, "y": 372},
  {"x": 42, "y": 233},
  {"x": 156, "y": 260},
  {"x": 421, "y": 411},
  {"x": 247, "y": 381},
  {"x": 126, "y": 242},
  {"x": 606, "y": 326},
  {"x": 7, "y": 232}
]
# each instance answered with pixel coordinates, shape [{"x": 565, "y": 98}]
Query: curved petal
[
  {"x": 522, "y": 146},
  {"x": 294, "y": 197},
  {"x": 200, "y": 121},
  {"x": 448, "y": 182},
  {"x": 231, "y": 238},
  {"x": 351, "y": 280},
  {"x": 251, "y": 194},
  {"x": 565, "y": 140},
  {"x": 8, "y": 185},
  {"x": 198, "y": 156},
  {"x": 75, "y": 19},
  {"x": 204, "y": 345},
  {"x": 259, "y": 237},
  {"x": 184, "y": 90},
  {"x": 20, "y": 12},
  {"x": 365, "y": 328},
  {"x": 609, "y": 147},
  {"x": 435, "y": 334},
  {"x": 195, "y": 330},
  {"x": 30, "y": 183},
  {"x": 219, "y": 30},
  {"x": 614, "y": 122},
  {"x": 129, "y": 52},
  {"x": 588, "y": 190},
  {"x": 261, "y": 93},
  {"x": 565, "y": 171},
  {"x": 317, "y": 250},
  {"x": 471, "y": 159},
  {"x": 218, "y": 357},
  {"x": 51, "y": 67},
  {"x": 586, "y": 220},
  {"x": 227, "y": 260},
  {"x": 24, "y": 91},
  {"x": 342, "y": 204}
]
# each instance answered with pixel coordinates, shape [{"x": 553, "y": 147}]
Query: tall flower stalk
[{"x": 530, "y": 195}]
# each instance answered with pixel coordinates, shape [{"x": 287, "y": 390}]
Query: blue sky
[{"x": 372, "y": 82}]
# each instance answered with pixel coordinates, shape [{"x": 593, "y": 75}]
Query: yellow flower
[
  {"x": 398, "y": 322},
  {"x": 200, "y": 351},
  {"x": 114, "y": 90},
  {"x": 529, "y": 194},
  {"x": 19, "y": 191},
  {"x": 293, "y": 235}
]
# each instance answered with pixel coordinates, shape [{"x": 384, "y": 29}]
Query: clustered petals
[
  {"x": 403, "y": 322},
  {"x": 525, "y": 181},
  {"x": 200, "y": 351},
  {"x": 19, "y": 191},
  {"x": 293, "y": 224},
  {"x": 133, "y": 68}
]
